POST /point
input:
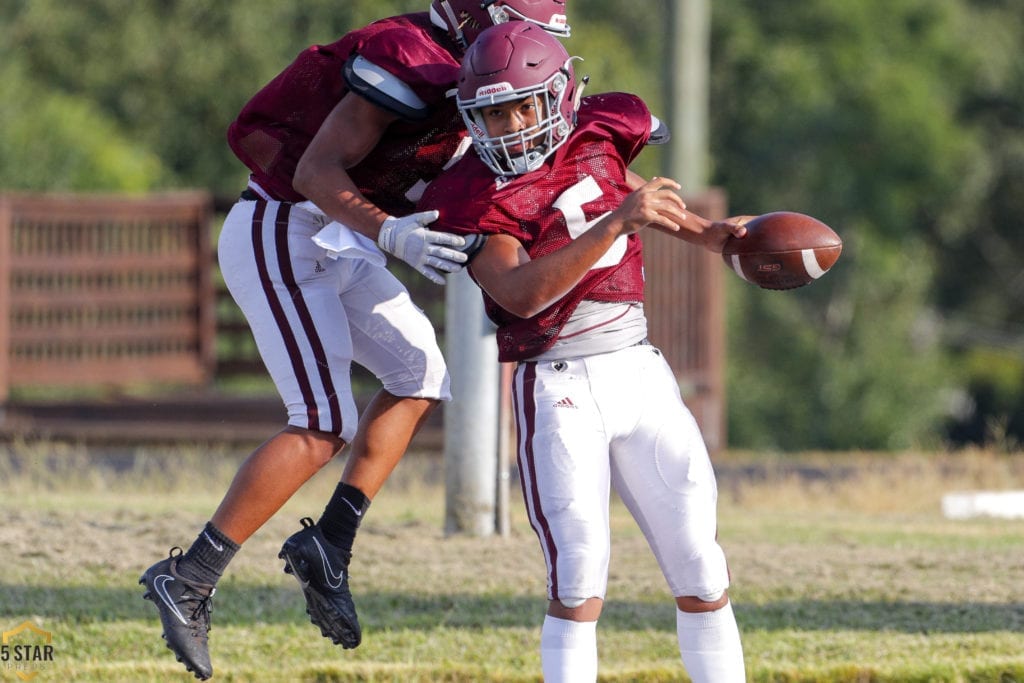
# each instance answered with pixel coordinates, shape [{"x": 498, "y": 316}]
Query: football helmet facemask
[
  {"x": 465, "y": 19},
  {"x": 509, "y": 63}
]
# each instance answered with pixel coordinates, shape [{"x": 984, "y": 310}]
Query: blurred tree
[
  {"x": 849, "y": 112},
  {"x": 53, "y": 141},
  {"x": 173, "y": 72},
  {"x": 898, "y": 122},
  {"x": 980, "y": 290}
]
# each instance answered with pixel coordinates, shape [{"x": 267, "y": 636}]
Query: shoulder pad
[
  {"x": 660, "y": 134},
  {"x": 384, "y": 89}
]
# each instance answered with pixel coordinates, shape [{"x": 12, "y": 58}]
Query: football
[{"x": 783, "y": 250}]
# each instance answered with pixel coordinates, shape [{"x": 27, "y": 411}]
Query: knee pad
[
  {"x": 705, "y": 575},
  {"x": 711, "y": 597},
  {"x": 571, "y": 603}
]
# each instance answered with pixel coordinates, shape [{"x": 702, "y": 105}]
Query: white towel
[{"x": 341, "y": 241}]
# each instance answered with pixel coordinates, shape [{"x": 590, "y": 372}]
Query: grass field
[{"x": 843, "y": 568}]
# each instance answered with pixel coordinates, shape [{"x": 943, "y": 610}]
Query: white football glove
[{"x": 425, "y": 250}]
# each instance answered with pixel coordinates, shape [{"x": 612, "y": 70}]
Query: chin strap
[{"x": 579, "y": 92}]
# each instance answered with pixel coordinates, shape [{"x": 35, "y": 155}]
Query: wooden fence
[
  {"x": 105, "y": 290},
  {"x": 115, "y": 290},
  {"x": 686, "y": 316}
]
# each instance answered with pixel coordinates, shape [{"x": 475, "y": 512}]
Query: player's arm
[
  {"x": 696, "y": 229},
  {"x": 525, "y": 286},
  {"x": 710, "y": 234},
  {"x": 347, "y": 135},
  {"x": 693, "y": 228},
  {"x": 353, "y": 128}
]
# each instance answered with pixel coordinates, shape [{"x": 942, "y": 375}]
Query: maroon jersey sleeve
[
  {"x": 545, "y": 210},
  {"x": 624, "y": 118}
]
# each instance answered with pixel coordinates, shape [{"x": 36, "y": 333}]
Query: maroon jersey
[
  {"x": 546, "y": 209},
  {"x": 276, "y": 126}
]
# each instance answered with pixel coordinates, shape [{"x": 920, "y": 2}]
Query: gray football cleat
[{"x": 185, "y": 607}]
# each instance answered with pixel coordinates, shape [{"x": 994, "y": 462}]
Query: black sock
[
  {"x": 342, "y": 516},
  {"x": 208, "y": 556}
]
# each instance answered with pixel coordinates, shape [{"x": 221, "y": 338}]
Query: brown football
[{"x": 783, "y": 250}]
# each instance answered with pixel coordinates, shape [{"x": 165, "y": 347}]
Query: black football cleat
[
  {"x": 185, "y": 607},
  {"x": 322, "y": 572}
]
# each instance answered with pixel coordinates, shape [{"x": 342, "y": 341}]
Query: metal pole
[
  {"x": 688, "y": 44},
  {"x": 506, "y": 451},
  {"x": 471, "y": 417}
]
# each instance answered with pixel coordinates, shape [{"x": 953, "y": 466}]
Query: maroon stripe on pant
[
  {"x": 308, "y": 326},
  {"x": 287, "y": 334},
  {"x": 526, "y": 413}
]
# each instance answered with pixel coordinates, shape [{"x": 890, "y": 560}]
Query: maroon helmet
[
  {"x": 508, "y": 63},
  {"x": 465, "y": 19}
]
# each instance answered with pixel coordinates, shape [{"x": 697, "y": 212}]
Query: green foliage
[
  {"x": 860, "y": 368},
  {"x": 173, "y": 73},
  {"x": 850, "y": 112},
  {"x": 900, "y": 123},
  {"x": 52, "y": 141},
  {"x": 995, "y": 412}
]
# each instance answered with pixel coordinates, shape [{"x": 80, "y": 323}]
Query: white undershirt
[{"x": 598, "y": 327}]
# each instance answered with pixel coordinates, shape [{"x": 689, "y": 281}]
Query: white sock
[
  {"x": 568, "y": 650},
  {"x": 709, "y": 643}
]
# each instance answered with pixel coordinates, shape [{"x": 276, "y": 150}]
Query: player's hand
[
  {"x": 656, "y": 203},
  {"x": 425, "y": 250},
  {"x": 718, "y": 233}
]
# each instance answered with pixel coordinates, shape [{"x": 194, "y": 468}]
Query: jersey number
[{"x": 571, "y": 202}]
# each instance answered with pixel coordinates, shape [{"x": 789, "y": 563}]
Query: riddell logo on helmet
[{"x": 493, "y": 89}]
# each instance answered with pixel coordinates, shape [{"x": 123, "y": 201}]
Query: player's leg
[
  {"x": 563, "y": 467},
  {"x": 393, "y": 339},
  {"x": 270, "y": 268},
  {"x": 269, "y": 477},
  {"x": 387, "y": 427},
  {"x": 328, "y": 598},
  {"x": 661, "y": 470},
  {"x": 301, "y": 330},
  {"x": 287, "y": 292}
]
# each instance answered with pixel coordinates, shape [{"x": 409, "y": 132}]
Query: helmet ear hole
[{"x": 499, "y": 15}]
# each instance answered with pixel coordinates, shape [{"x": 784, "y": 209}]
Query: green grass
[{"x": 843, "y": 570}]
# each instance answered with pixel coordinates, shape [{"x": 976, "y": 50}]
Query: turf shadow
[{"x": 239, "y": 604}]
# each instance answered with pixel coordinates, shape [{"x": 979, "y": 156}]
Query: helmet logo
[{"x": 494, "y": 89}]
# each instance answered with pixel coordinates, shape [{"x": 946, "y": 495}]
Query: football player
[
  {"x": 596, "y": 405},
  {"x": 339, "y": 147}
]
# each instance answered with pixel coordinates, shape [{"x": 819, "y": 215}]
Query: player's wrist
[{"x": 387, "y": 236}]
